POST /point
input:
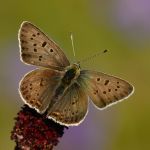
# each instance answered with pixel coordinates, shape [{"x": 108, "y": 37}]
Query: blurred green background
[{"x": 123, "y": 27}]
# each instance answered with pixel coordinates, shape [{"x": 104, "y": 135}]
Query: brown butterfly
[{"x": 59, "y": 88}]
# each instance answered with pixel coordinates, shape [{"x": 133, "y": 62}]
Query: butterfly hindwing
[
  {"x": 104, "y": 89},
  {"x": 71, "y": 108},
  {"x": 37, "y": 87},
  {"x": 37, "y": 49}
]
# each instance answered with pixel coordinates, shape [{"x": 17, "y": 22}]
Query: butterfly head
[
  {"x": 76, "y": 69},
  {"x": 76, "y": 66}
]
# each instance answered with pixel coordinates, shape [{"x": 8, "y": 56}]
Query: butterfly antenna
[
  {"x": 93, "y": 56},
  {"x": 72, "y": 43}
]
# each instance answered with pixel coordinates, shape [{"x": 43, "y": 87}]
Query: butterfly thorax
[{"x": 72, "y": 72}]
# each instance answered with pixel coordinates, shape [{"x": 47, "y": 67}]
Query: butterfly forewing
[
  {"x": 37, "y": 87},
  {"x": 37, "y": 49},
  {"x": 72, "y": 107},
  {"x": 104, "y": 89}
]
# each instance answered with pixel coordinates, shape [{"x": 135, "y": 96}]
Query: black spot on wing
[
  {"x": 25, "y": 55},
  {"x": 33, "y": 35},
  {"x": 40, "y": 58},
  {"x": 44, "y": 44},
  {"x": 104, "y": 92},
  {"x": 98, "y": 79},
  {"x": 106, "y": 82},
  {"x": 35, "y": 50},
  {"x": 51, "y": 50}
]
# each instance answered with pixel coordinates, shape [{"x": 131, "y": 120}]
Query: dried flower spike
[{"x": 33, "y": 131}]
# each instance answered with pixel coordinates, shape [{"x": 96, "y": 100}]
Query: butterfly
[{"x": 58, "y": 88}]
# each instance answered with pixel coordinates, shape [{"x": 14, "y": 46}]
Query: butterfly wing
[
  {"x": 37, "y": 86},
  {"x": 72, "y": 108},
  {"x": 37, "y": 49},
  {"x": 104, "y": 89}
]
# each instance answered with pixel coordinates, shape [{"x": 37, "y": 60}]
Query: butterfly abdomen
[
  {"x": 57, "y": 95},
  {"x": 60, "y": 89}
]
